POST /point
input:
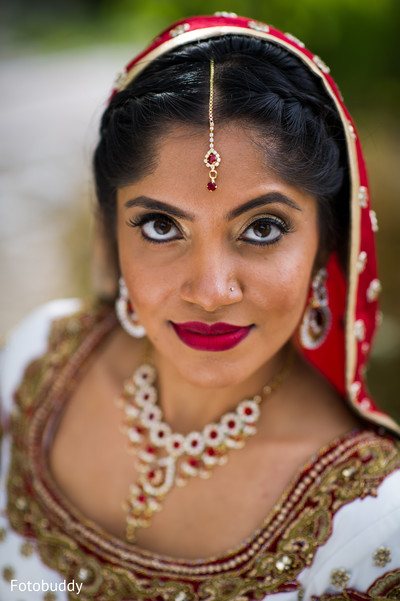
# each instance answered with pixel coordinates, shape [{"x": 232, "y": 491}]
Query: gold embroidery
[
  {"x": 345, "y": 595},
  {"x": 8, "y": 573},
  {"x": 386, "y": 587},
  {"x": 26, "y": 549},
  {"x": 268, "y": 562},
  {"x": 339, "y": 578},
  {"x": 382, "y": 557}
]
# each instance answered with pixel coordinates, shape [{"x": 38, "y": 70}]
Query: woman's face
[{"x": 242, "y": 255}]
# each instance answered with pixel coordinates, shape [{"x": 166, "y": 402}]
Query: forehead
[
  {"x": 180, "y": 175},
  {"x": 235, "y": 142}
]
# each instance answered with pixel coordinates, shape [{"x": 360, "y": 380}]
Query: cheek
[
  {"x": 150, "y": 284},
  {"x": 148, "y": 288},
  {"x": 289, "y": 289},
  {"x": 283, "y": 284}
]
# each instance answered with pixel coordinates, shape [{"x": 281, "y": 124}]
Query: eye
[
  {"x": 264, "y": 231},
  {"x": 156, "y": 228}
]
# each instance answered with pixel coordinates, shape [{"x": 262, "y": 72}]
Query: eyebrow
[
  {"x": 158, "y": 205},
  {"x": 265, "y": 199}
]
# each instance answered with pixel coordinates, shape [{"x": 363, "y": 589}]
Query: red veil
[{"x": 343, "y": 355}]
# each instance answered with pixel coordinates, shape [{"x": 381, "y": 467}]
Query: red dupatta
[{"x": 343, "y": 355}]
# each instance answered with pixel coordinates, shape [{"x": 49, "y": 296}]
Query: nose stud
[{"x": 231, "y": 289}]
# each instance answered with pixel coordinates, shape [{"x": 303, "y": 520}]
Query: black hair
[{"x": 256, "y": 83}]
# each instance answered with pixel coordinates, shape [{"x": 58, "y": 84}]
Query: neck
[{"x": 187, "y": 406}]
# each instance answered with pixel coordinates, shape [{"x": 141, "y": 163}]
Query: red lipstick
[{"x": 215, "y": 337}]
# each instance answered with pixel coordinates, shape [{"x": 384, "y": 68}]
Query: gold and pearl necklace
[{"x": 165, "y": 458}]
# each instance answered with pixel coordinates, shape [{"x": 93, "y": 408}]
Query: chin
[{"x": 214, "y": 372}]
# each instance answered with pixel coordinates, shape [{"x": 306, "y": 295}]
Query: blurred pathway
[{"x": 50, "y": 107}]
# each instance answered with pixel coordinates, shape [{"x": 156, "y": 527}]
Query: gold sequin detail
[
  {"x": 300, "y": 594},
  {"x": 283, "y": 564},
  {"x": 26, "y": 549},
  {"x": 359, "y": 330},
  {"x": 382, "y": 557},
  {"x": 374, "y": 290},
  {"x": 352, "y": 131},
  {"x": 374, "y": 221},
  {"x": 339, "y": 578},
  {"x": 361, "y": 261},
  {"x": 8, "y": 573},
  {"x": 363, "y": 197},
  {"x": 293, "y": 38},
  {"x": 321, "y": 64},
  {"x": 179, "y": 29},
  {"x": 258, "y": 26}
]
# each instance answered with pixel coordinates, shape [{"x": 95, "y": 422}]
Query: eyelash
[
  {"x": 141, "y": 221},
  {"x": 148, "y": 218},
  {"x": 284, "y": 227}
]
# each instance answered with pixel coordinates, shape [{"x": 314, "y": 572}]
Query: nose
[{"x": 211, "y": 280}]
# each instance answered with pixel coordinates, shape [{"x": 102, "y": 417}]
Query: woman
[{"x": 233, "y": 200}]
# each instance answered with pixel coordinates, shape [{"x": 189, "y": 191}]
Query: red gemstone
[
  {"x": 231, "y": 424},
  {"x": 130, "y": 307},
  {"x": 366, "y": 458},
  {"x": 150, "y": 449},
  {"x": 248, "y": 411},
  {"x": 160, "y": 434},
  {"x": 193, "y": 462},
  {"x": 177, "y": 444},
  {"x": 194, "y": 443},
  {"x": 212, "y": 186},
  {"x": 151, "y": 475},
  {"x": 213, "y": 434},
  {"x": 212, "y": 158},
  {"x": 210, "y": 452},
  {"x": 142, "y": 498}
]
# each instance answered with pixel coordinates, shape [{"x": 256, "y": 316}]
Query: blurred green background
[{"x": 358, "y": 39}]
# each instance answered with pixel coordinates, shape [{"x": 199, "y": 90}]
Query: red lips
[{"x": 215, "y": 337}]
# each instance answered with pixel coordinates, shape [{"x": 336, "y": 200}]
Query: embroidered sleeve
[
  {"x": 361, "y": 560},
  {"x": 387, "y": 587}
]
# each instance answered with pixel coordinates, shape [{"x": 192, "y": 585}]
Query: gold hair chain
[{"x": 212, "y": 158}]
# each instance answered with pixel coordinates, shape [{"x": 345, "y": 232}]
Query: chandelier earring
[
  {"x": 317, "y": 317},
  {"x": 125, "y": 313}
]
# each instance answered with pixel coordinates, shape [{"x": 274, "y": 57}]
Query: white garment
[{"x": 360, "y": 528}]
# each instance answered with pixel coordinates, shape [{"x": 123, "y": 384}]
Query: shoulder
[{"x": 28, "y": 341}]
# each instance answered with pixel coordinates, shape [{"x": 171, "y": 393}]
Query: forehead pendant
[{"x": 212, "y": 158}]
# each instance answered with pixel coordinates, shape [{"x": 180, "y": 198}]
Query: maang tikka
[{"x": 212, "y": 158}]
